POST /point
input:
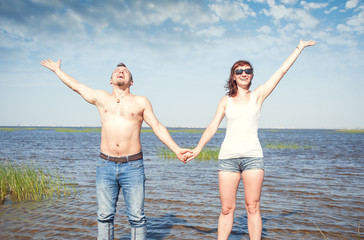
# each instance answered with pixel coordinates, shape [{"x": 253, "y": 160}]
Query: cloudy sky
[{"x": 180, "y": 54}]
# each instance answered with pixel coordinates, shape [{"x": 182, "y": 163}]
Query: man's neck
[{"x": 120, "y": 92}]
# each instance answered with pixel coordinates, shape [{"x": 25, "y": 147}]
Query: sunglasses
[{"x": 240, "y": 71}]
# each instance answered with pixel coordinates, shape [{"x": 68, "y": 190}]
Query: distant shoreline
[{"x": 170, "y": 128}]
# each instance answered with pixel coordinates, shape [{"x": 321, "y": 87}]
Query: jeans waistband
[{"x": 122, "y": 159}]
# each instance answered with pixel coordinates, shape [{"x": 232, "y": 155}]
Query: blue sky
[{"x": 180, "y": 54}]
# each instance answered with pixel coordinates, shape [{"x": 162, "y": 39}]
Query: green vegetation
[
  {"x": 12, "y": 129},
  {"x": 271, "y": 130},
  {"x": 80, "y": 130},
  {"x": 57, "y": 129},
  {"x": 98, "y": 129},
  {"x": 350, "y": 130},
  {"x": 28, "y": 182},
  {"x": 285, "y": 145},
  {"x": 205, "y": 154}
]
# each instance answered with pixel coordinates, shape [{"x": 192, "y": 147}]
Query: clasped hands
[{"x": 185, "y": 155}]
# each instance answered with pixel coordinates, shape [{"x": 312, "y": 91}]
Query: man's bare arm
[
  {"x": 87, "y": 93},
  {"x": 162, "y": 132}
]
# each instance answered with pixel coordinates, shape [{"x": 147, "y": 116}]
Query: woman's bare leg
[
  {"x": 228, "y": 186},
  {"x": 253, "y": 182}
]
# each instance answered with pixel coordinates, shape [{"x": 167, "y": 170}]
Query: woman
[{"x": 241, "y": 154}]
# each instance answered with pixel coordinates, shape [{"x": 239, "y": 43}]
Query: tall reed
[
  {"x": 30, "y": 182},
  {"x": 206, "y": 153},
  {"x": 324, "y": 236}
]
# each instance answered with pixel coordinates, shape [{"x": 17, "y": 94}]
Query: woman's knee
[
  {"x": 227, "y": 209},
  {"x": 252, "y": 208}
]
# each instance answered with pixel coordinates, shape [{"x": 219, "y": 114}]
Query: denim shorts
[{"x": 241, "y": 164}]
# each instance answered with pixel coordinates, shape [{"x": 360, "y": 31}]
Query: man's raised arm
[{"x": 87, "y": 93}]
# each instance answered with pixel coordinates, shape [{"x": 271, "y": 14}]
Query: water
[{"x": 322, "y": 185}]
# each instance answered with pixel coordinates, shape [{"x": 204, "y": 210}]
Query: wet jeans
[{"x": 130, "y": 179}]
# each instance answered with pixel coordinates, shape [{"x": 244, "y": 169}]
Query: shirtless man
[{"x": 120, "y": 165}]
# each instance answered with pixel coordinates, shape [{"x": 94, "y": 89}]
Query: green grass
[
  {"x": 78, "y": 130},
  {"x": 205, "y": 154},
  {"x": 286, "y": 145},
  {"x": 98, "y": 129},
  {"x": 57, "y": 129},
  {"x": 350, "y": 130},
  {"x": 12, "y": 129},
  {"x": 271, "y": 130},
  {"x": 27, "y": 181}
]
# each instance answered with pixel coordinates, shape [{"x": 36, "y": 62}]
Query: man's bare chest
[{"x": 124, "y": 111}]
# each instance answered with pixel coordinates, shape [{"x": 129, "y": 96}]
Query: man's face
[{"x": 121, "y": 76}]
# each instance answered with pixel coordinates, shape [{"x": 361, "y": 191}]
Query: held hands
[
  {"x": 192, "y": 154},
  {"x": 185, "y": 155},
  {"x": 53, "y": 66}
]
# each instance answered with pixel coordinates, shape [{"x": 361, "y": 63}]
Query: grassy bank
[
  {"x": 213, "y": 153},
  {"x": 98, "y": 129},
  {"x": 205, "y": 154},
  {"x": 29, "y": 182},
  {"x": 286, "y": 145},
  {"x": 350, "y": 131},
  {"x": 12, "y": 129}
]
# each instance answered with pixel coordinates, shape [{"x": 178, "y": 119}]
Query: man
[{"x": 121, "y": 161}]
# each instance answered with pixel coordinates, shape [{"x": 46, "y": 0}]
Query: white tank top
[{"x": 241, "y": 139}]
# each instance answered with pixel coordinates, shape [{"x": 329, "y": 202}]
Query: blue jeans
[{"x": 130, "y": 179}]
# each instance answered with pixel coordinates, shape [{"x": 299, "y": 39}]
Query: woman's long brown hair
[{"x": 231, "y": 86}]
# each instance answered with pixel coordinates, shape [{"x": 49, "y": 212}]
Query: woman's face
[{"x": 243, "y": 75}]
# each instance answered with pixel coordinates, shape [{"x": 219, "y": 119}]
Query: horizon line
[{"x": 90, "y": 126}]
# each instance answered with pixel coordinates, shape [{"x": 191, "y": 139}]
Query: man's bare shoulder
[
  {"x": 102, "y": 96},
  {"x": 102, "y": 93},
  {"x": 141, "y": 100}
]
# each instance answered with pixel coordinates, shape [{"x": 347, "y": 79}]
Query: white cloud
[
  {"x": 156, "y": 39},
  {"x": 57, "y": 3},
  {"x": 351, "y": 4},
  {"x": 312, "y": 5},
  {"x": 141, "y": 14},
  {"x": 280, "y": 12},
  {"x": 357, "y": 22},
  {"x": 343, "y": 28},
  {"x": 264, "y": 29},
  {"x": 353, "y": 24},
  {"x": 212, "y": 32},
  {"x": 232, "y": 11},
  {"x": 288, "y": 29},
  {"x": 289, "y": 1},
  {"x": 331, "y": 10}
]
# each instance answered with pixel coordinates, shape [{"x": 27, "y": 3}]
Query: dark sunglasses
[{"x": 240, "y": 71}]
